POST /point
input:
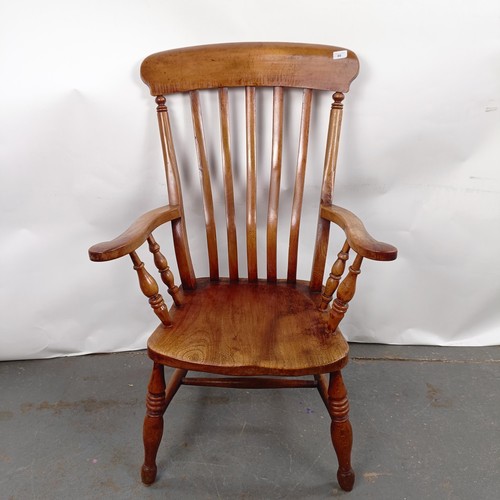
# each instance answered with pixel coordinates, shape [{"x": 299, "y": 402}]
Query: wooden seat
[
  {"x": 257, "y": 330},
  {"x": 248, "y": 330}
]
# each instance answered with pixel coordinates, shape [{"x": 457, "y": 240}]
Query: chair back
[{"x": 240, "y": 70}]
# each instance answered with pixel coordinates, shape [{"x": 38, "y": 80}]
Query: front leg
[
  {"x": 340, "y": 429},
  {"x": 153, "y": 422}
]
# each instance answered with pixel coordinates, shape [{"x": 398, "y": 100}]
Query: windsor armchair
[{"x": 250, "y": 332}]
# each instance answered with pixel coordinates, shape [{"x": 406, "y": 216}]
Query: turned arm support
[
  {"x": 356, "y": 234},
  {"x": 135, "y": 235}
]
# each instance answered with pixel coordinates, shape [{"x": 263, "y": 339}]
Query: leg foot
[
  {"x": 341, "y": 430},
  {"x": 153, "y": 423},
  {"x": 148, "y": 474},
  {"x": 346, "y": 479}
]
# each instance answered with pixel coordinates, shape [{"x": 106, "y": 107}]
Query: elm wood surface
[
  {"x": 255, "y": 64},
  {"x": 249, "y": 329},
  {"x": 232, "y": 240},
  {"x": 251, "y": 194},
  {"x": 132, "y": 238},
  {"x": 252, "y": 333}
]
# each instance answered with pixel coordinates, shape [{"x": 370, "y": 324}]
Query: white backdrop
[{"x": 80, "y": 158}]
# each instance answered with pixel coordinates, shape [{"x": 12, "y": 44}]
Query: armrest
[
  {"x": 357, "y": 236},
  {"x": 135, "y": 235}
]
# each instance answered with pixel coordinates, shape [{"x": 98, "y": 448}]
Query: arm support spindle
[
  {"x": 149, "y": 288},
  {"x": 335, "y": 276},
  {"x": 161, "y": 264},
  {"x": 344, "y": 294}
]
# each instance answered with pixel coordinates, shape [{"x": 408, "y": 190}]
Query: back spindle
[
  {"x": 274, "y": 187},
  {"x": 206, "y": 187},
  {"x": 298, "y": 193},
  {"x": 227, "y": 168},
  {"x": 181, "y": 244},
  {"x": 251, "y": 194}
]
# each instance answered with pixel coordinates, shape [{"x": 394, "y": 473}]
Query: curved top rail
[{"x": 270, "y": 64}]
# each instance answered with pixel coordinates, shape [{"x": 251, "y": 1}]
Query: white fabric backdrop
[{"x": 80, "y": 158}]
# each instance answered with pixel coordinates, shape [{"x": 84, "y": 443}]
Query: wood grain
[
  {"x": 340, "y": 429},
  {"x": 298, "y": 192},
  {"x": 249, "y": 64},
  {"x": 149, "y": 288},
  {"x": 179, "y": 232},
  {"x": 136, "y": 234},
  {"x": 251, "y": 196},
  {"x": 153, "y": 423},
  {"x": 161, "y": 264},
  {"x": 357, "y": 236},
  {"x": 206, "y": 186},
  {"x": 329, "y": 170},
  {"x": 345, "y": 293},
  {"x": 335, "y": 276},
  {"x": 274, "y": 184},
  {"x": 227, "y": 168},
  {"x": 258, "y": 329},
  {"x": 246, "y": 329}
]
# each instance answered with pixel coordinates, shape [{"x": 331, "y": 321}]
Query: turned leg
[
  {"x": 153, "y": 423},
  {"x": 341, "y": 430}
]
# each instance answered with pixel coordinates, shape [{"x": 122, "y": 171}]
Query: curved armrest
[
  {"x": 135, "y": 235},
  {"x": 357, "y": 236}
]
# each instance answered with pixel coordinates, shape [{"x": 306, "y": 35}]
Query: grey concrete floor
[{"x": 425, "y": 420}]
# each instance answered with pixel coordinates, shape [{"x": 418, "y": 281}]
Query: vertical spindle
[
  {"x": 251, "y": 194},
  {"x": 161, "y": 264},
  {"x": 149, "y": 288},
  {"x": 179, "y": 232},
  {"x": 330, "y": 166},
  {"x": 335, "y": 276},
  {"x": 345, "y": 293}
]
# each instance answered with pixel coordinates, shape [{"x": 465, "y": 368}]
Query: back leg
[{"x": 340, "y": 429}]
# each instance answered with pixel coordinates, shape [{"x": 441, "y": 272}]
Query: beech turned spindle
[
  {"x": 149, "y": 288},
  {"x": 161, "y": 264},
  {"x": 335, "y": 276},
  {"x": 345, "y": 293}
]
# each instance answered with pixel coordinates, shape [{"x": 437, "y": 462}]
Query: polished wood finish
[
  {"x": 251, "y": 64},
  {"x": 288, "y": 335},
  {"x": 251, "y": 201},
  {"x": 322, "y": 386},
  {"x": 135, "y": 235},
  {"x": 274, "y": 185},
  {"x": 153, "y": 422},
  {"x": 149, "y": 288},
  {"x": 206, "y": 186},
  {"x": 232, "y": 242},
  {"x": 249, "y": 382},
  {"x": 329, "y": 169},
  {"x": 345, "y": 293},
  {"x": 357, "y": 236},
  {"x": 252, "y": 333},
  {"x": 161, "y": 264},
  {"x": 179, "y": 232},
  {"x": 335, "y": 276},
  {"x": 298, "y": 193},
  {"x": 340, "y": 429}
]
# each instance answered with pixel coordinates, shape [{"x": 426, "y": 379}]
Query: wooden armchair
[{"x": 250, "y": 332}]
